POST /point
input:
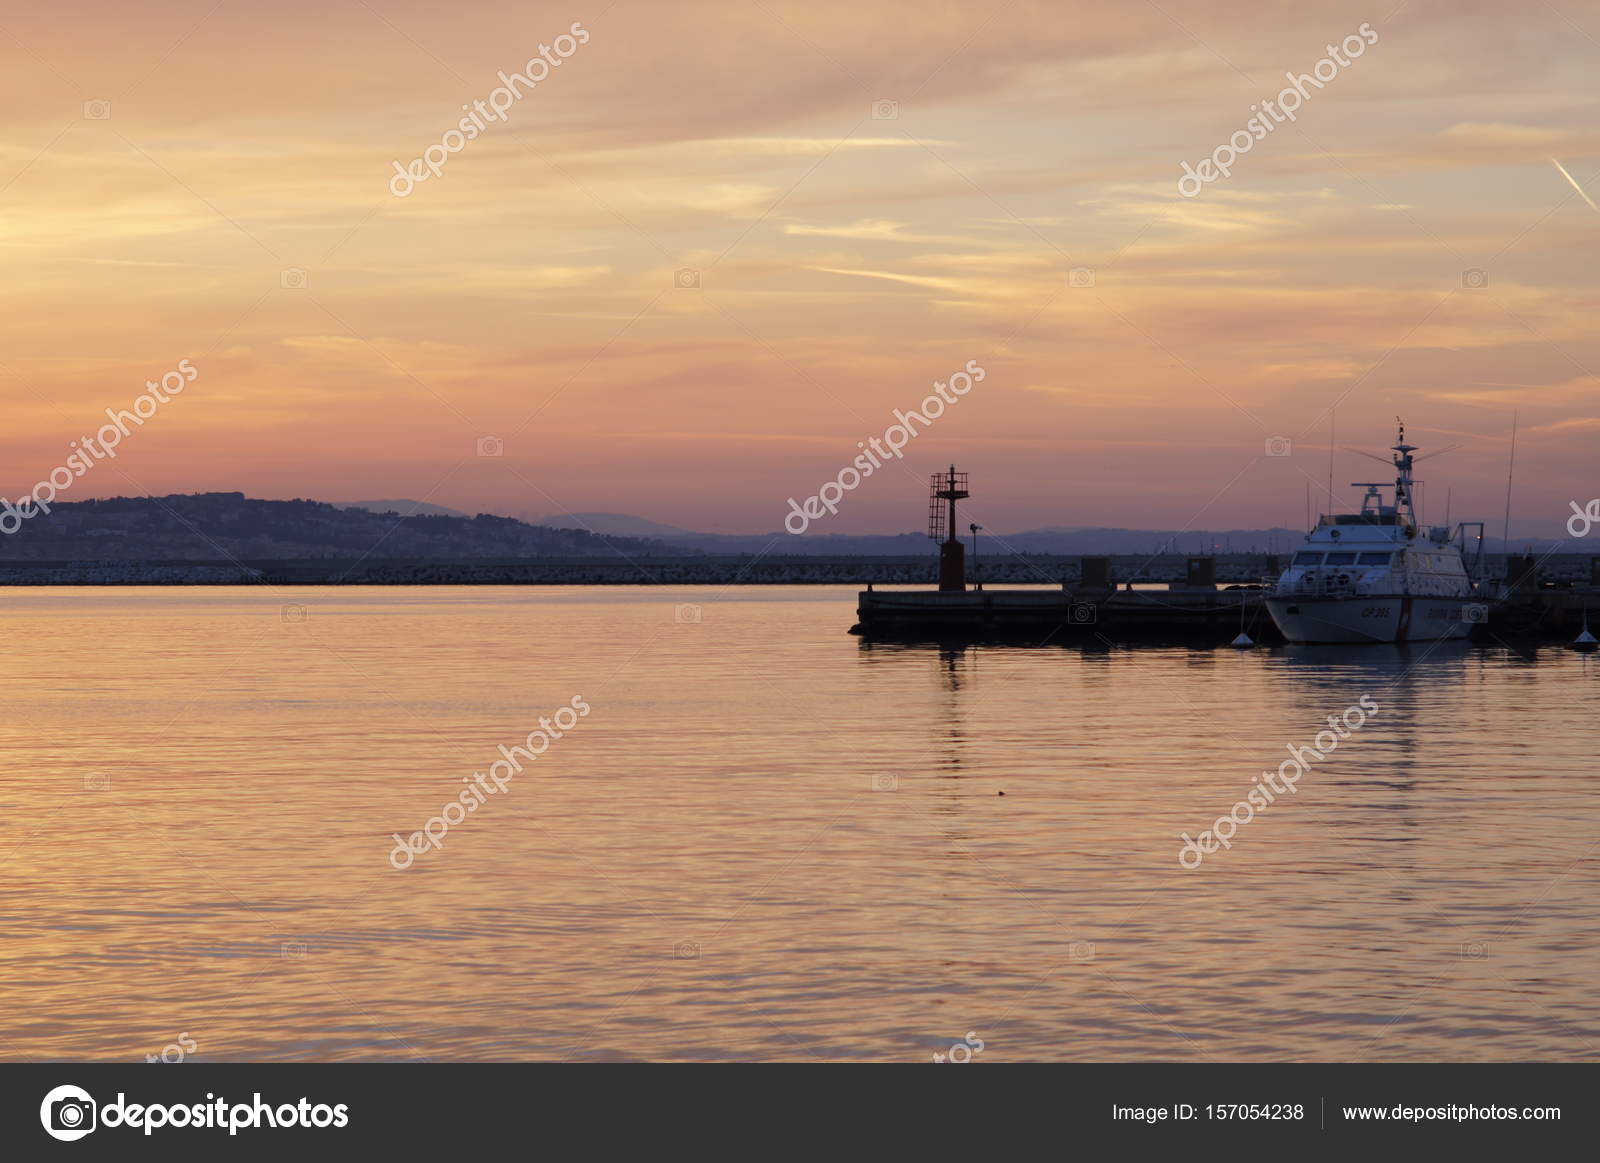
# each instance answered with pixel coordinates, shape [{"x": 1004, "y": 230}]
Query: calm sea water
[{"x": 768, "y": 840}]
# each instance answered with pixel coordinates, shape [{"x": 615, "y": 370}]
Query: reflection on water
[{"x": 771, "y": 840}]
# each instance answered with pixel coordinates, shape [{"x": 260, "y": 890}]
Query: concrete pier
[
  {"x": 1199, "y": 613},
  {"x": 1544, "y": 600}
]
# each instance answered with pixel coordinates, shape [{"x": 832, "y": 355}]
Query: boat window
[
  {"x": 1341, "y": 559},
  {"x": 1308, "y": 559},
  {"x": 1375, "y": 559}
]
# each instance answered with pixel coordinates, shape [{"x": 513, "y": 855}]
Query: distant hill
[
  {"x": 1059, "y": 541},
  {"x": 620, "y": 524},
  {"x": 403, "y": 507},
  {"x": 220, "y": 526},
  {"x": 212, "y": 527},
  {"x": 1070, "y": 540},
  {"x": 778, "y": 541}
]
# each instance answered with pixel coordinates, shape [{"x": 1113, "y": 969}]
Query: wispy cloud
[{"x": 875, "y": 230}]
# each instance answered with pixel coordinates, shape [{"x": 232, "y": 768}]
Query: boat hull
[{"x": 1392, "y": 618}]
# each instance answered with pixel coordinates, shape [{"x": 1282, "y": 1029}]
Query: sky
[{"x": 707, "y": 256}]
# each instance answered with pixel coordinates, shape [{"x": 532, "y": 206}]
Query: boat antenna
[
  {"x": 1511, "y": 465},
  {"x": 1333, "y": 423}
]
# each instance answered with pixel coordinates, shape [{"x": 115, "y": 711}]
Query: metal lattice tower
[{"x": 945, "y": 489}]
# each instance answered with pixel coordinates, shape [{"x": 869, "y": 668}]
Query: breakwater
[{"x": 745, "y": 569}]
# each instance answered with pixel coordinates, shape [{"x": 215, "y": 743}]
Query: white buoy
[
  {"x": 1243, "y": 642},
  {"x": 1585, "y": 641}
]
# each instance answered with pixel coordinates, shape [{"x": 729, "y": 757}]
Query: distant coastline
[
  {"x": 201, "y": 539},
  {"x": 743, "y": 570}
]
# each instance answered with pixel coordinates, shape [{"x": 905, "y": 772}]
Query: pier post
[
  {"x": 1522, "y": 572},
  {"x": 1094, "y": 573}
]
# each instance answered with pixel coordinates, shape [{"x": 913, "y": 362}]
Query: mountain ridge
[{"x": 231, "y": 526}]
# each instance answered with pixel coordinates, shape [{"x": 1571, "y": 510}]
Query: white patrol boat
[{"x": 1376, "y": 576}]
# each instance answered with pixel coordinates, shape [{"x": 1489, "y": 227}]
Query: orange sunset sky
[{"x": 845, "y": 260}]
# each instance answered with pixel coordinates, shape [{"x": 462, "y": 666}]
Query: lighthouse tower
[{"x": 945, "y": 490}]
